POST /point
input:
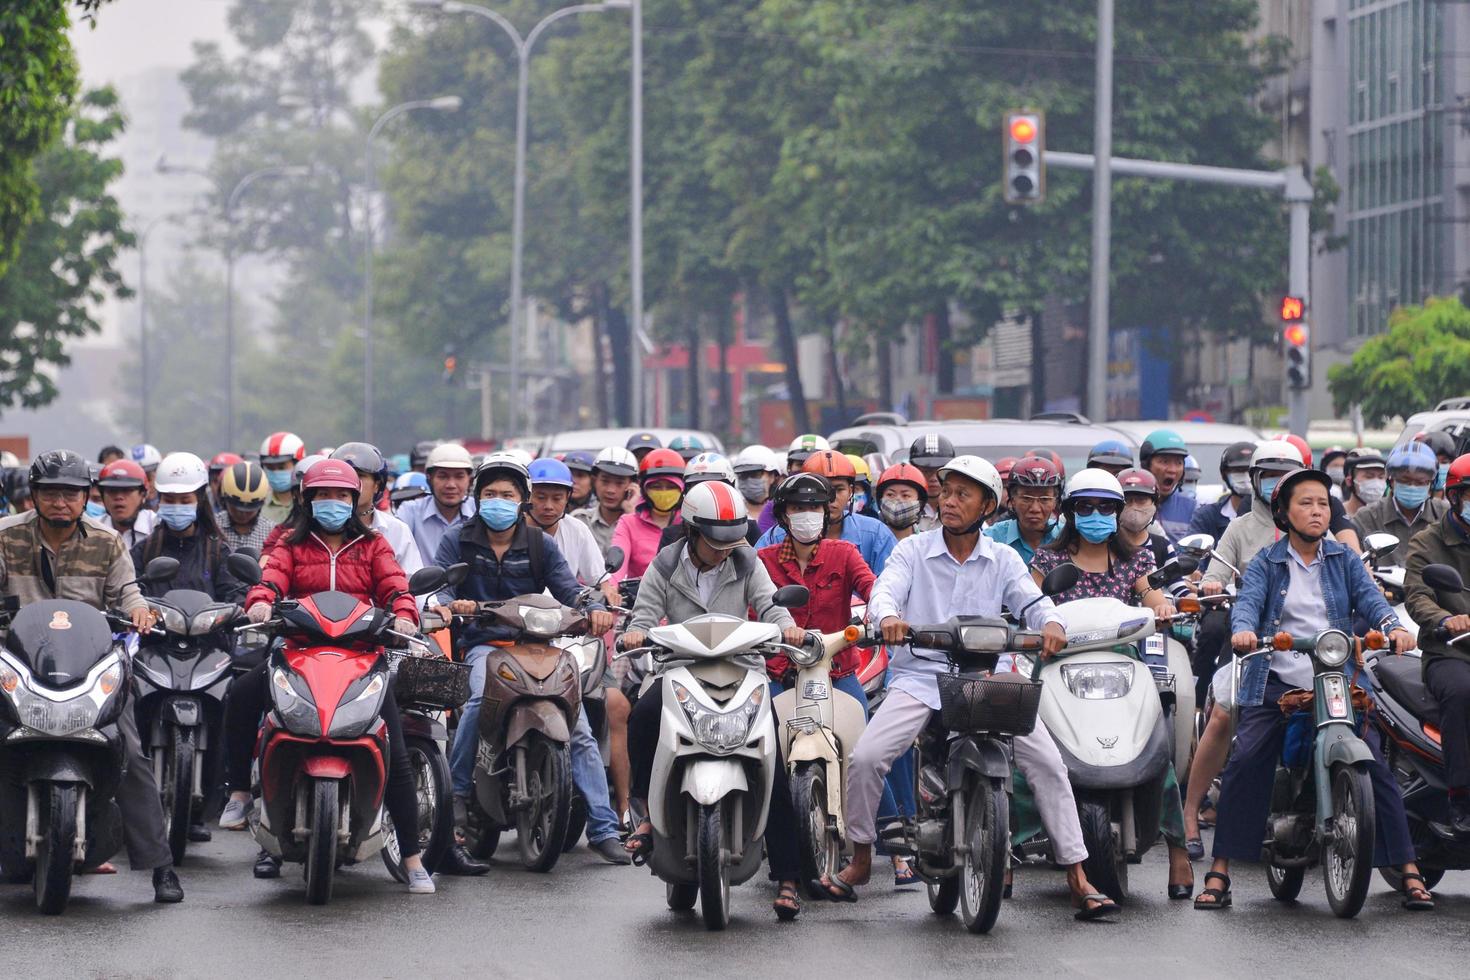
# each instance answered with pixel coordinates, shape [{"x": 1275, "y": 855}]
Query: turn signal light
[
  {"x": 1375, "y": 640},
  {"x": 1281, "y": 641},
  {"x": 1189, "y": 604},
  {"x": 852, "y": 634}
]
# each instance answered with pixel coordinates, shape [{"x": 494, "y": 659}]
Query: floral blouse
[{"x": 1116, "y": 583}]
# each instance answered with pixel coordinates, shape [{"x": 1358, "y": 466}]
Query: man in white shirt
[
  {"x": 930, "y": 577},
  {"x": 124, "y": 488},
  {"x": 448, "y": 505}
]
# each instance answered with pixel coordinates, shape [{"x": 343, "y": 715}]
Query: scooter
[
  {"x": 63, "y": 685},
  {"x": 715, "y": 764},
  {"x": 1390, "y": 578},
  {"x": 321, "y": 760}
]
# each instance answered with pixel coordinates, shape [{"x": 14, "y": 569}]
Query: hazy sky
[{"x": 133, "y": 35}]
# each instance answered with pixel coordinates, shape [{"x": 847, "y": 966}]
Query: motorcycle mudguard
[
  {"x": 533, "y": 715},
  {"x": 707, "y": 781},
  {"x": 57, "y": 764},
  {"x": 184, "y": 712},
  {"x": 1149, "y": 764},
  {"x": 1335, "y": 743},
  {"x": 326, "y": 767},
  {"x": 979, "y": 755}
]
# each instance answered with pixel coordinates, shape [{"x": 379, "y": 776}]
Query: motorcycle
[
  {"x": 590, "y": 655},
  {"x": 64, "y": 678},
  {"x": 1389, "y": 578},
  {"x": 321, "y": 759}
]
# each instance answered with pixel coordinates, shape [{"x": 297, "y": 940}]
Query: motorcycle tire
[
  {"x": 681, "y": 896},
  {"x": 576, "y": 821},
  {"x": 1285, "y": 883},
  {"x": 482, "y": 836},
  {"x": 56, "y": 849},
  {"x": 176, "y": 785},
  {"x": 816, "y": 831},
  {"x": 322, "y": 814},
  {"x": 1105, "y": 866},
  {"x": 541, "y": 826},
  {"x": 983, "y": 870},
  {"x": 431, "y": 781},
  {"x": 714, "y": 869},
  {"x": 944, "y": 895},
  {"x": 1347, "y": 853}
]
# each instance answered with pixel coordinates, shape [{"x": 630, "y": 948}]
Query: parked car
[
  {"x": 596, "y": 440},
  {"x": 990, "y": 438}
]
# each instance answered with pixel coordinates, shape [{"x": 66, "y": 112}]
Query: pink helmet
[{"x": 331, "y": 473}]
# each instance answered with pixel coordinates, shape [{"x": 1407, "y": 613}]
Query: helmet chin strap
[{"x": 1309, "y": 538}]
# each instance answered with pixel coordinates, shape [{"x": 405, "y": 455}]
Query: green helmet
[{"x": 1161, "y": 442}]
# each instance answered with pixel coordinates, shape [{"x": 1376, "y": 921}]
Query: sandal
[
  {"x": 1105, "y": 906},
  {"x": 639, "y": 847},
  {"x": 1411, "y": 900},
  {"x": 836, "y": 889},
  {"x": 1206, "y": 822},
  {"x": 906, "y": 877},
  {"x": 787, "y": 903},
  {"x": 1218, "y": 898}
]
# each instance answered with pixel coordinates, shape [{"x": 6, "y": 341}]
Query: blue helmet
[
  {"x": 550, "y": 473},
  {"x": 1110, "y": 452},
  {"x": 579, "y": 461},
  {"x": 1413, "y": 456}
]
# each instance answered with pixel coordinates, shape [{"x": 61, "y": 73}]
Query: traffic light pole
[{"x": 1291, "y": 184}]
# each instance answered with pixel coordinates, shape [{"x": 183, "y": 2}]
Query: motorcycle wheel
[
  {"x": 482, "y": 836},
  {"x": 322, "y": 815},
  {"x": 576, "y": 821},
  {"x": 821, "y": 849},
  {"x": 1347, "y": 853},
  {"x": 944, "y": 895},
  {"x": 983, "y": 871},
  {"x": 714, "y": 869},
  {"x": 1286, "y": 883},
  {"x": 541, "y": 825},
  {"x": 176, "y": 785},
  {"x": 682, "y": 896},
  {"x": 1105, "y": 866},
  {"x": 436, "y": 810},
  {"x": 57, "y": 846}
]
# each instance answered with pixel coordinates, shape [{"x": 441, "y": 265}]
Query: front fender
[
  {"x": 58, "y": 765},
  {"x": 707, "y": 781},
  {"x": 181, "y": 711},
  {"x": 532, "y": 715},
  {"x": 986, "y": 757}
]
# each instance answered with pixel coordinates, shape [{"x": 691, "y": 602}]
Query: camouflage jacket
[{"x": 91, "y": 566}]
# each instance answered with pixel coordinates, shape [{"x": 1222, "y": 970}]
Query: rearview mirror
[
  {"x": 1379, "y": 543},
  {"x": 427, "y": 580},
  {"x": 244, "y": 567},
  {"x": 457, "y": 573},
  {"x": 615, "y": 558},
  {"x": 1443, "y": 578},
  {"x": 791, "y": 596},
  {"x": 1061, "y": 579},
  {"x": 1175, "y": 568},
  {"x": 1196, "y": 544},
  {"x": 160, "y": 569}
]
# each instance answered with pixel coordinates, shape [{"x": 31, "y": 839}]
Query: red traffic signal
[
  {"x": 1295, "y": 335},
  {"x": 1023, "y": 129},
  {"x": 1293, "y": 308}
]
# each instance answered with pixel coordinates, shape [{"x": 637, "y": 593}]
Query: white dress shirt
[
  {"x": 1303, "y": 615},
  {"x": 578, "y": 545}
]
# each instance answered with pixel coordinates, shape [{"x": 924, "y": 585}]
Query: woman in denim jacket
[{"x": 1302, "y": 585}]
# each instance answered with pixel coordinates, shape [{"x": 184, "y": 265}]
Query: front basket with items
[
  {"x": 1005, "y": 704},
  {"x": 431, "y": 682}
]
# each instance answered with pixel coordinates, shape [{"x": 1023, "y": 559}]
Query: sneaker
[
  {"x": 420, "y": 882},
  {"x": 166, "y": 887},
  {"x": 236, "y": 814}
]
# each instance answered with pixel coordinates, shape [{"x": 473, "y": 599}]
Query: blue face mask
[
  {"x": 1268, "y": 487},
  {"x": 177, "y": 517},
  {"x": 1442, "y": 476},
  {"x": 331, "y": 514},
  {"x": 95, "y": 510},
  {"x": 498, "y": 514},
  {"x": 1096, "y": 528},
  {"x": 280, "y": 480},
  {"x": 1409, "y": 496}
]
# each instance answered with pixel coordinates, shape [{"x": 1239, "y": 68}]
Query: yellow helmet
[
  {"x": 244, "y": 485},
  {"x": 864, "y": 474}
]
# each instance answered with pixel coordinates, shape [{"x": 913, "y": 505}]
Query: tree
[
  {"x": 65, "y": 265},
  {"x": 1423, "y": 357}
]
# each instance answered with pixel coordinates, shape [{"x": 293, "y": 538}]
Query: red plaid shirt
[{"x": 834, "y": 574}]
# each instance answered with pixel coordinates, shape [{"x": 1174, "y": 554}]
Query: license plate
[{"x": 814, "y": 691}]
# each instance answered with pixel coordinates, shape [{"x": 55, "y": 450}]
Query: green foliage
[
  {"x": 1422, "y": 358},
  {"x": 65, "y": 266}
]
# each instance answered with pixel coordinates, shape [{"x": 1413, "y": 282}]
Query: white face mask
[
  {"x": 1370, "y": 491},
  {"x": 805, "y": 528},
  {"x": 1240, "y": 484}
]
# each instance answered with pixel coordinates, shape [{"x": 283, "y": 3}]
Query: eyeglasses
[
  {"x": 1104, "y": 507},
  {"x": 1034, "y": 500}
]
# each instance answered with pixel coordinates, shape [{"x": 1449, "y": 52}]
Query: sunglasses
[{"x": 1105, "y": 507}]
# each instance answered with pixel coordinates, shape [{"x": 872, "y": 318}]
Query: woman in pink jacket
[{"x": 661, "y": 479}]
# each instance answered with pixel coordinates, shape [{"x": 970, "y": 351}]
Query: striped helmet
[
  {"x": 282, "y": 447},
  {"x": 717, "y": 512},
  {"x": 243, "y": 485}
]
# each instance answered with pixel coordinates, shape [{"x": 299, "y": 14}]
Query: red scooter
[{"x": 321, "y": 760}]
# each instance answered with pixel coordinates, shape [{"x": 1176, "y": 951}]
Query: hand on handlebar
[
  {"x": 259, "y": 612},
  {"x": 611, "y": 594},
  {"x": 1245, "y": 641},
  {"x": 632, "y": 640},
  {"x": 894, "y": 630},
  {"x": 1212, "y": 588},
  {"x": 1165, "y": 610},
  {"x": 599, "y": 621},
  {"x": 1053, "y": 638},
  {"x": 1402, "y": 641},
  {"x": 794, "y": 635},
  {"x": 1458, "y": 624},
  {"x": 143, "y": 618}
]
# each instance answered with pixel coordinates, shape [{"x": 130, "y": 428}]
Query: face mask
[
  {"x": 805, "y": 528},
  {"x": 1334, "y": 473},
  {"x": 1411, "y": 497},
  {"x": 1465, "y": 512},
  {"x": 177, "y": 517},
  {"x": 663, "y": 501},
  {"x": 859, "y": 502},
  {"x": 1370, "y": 491},
  {"x": 331, "y": 515},
  {"x": 900, "y": 513},
  {"x": 498, "y": 514},
  {"x": 1240, "y": 485},
  {"x": 95, "y": 510},
  {"x": 280, "y": 480},
  {"x": 1442, "y": 476},
  {"x": 753, "y": 488},
  {"x": 1096, "y": 528},
  {"x": 1135, "y": 519},
  {"x": 1268, "y": 487}
]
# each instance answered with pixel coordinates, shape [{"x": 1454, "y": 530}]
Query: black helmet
[
  {"x": 931, "y": 451},
  {"x": 1236, "y": 456},
  {"x": 800, "y": 488},
  {"x": 1440, "y": 441},
  {"x": 365, "y": 458},
  {"x": 1282, "y": 493},
  {"x": 60, "y": 468},
  {"x": 643, "y": 440},
  {"x": 420, "y": 454}
]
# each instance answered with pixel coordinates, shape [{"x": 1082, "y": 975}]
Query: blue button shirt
[
  {"x": 1009, "y": 532},
  {"x": 1175, "y": 513},
  {"x": 428, "y": 525},
  {"x": 872, "y": 537}
]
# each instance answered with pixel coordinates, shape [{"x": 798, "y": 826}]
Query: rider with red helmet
[
  {"x": 661, "y": 480},
  {"x": 902, "y": 492},
  {"x": 1034, "y": 489}
]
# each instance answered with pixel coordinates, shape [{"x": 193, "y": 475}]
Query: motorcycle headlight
[
  {"x": 984, "y": 639},
  {"x": 720, "y": 731},
  {"x": 51, "y": 714},
  {"x": 211, "y": 619},
  {"x": 354, "y": 717},
  {"x": 541, "y": 621},
  {"x": 1333, "y": 647},
  {"x": 806, "y": 654},
  {"x": 173, "y": 620},
  {"x": 1098, "y": 682},
  {"x": 294, "y": 706}
]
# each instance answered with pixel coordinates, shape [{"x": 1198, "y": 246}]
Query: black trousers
[
  {"x": 1448, "y": 680},
  {"x": 245, "y": 706},
  {"x": 137, "y": 798},
  {"x": 783, "y": 851}
]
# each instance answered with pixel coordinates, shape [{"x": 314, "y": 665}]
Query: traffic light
[
  {"x": 1024, "y": 142},
  {"x": 1297, "y": 339},
  {"x": 451, "y": 365}
]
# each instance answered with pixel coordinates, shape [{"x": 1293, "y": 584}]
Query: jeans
[
  {"x": 467, "y": 730},
  {"x": 591, "y": 782}
]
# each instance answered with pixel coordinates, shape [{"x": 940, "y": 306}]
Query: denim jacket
[{"x": 1346, "y": 590}]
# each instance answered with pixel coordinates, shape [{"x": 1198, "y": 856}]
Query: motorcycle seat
[{"x": 1403, "y": 679}]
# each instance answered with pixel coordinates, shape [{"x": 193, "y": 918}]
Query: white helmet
[
  {"x": 180, "y": 473},
  {"x": 278, "y": 447},
  {"x": 708, "y": 466},
  {"x": 503, "y": 463},
  {"x": 758, "y": 459},
  {"x": 808, "y": 444},
  {"x": 1094, "y": 483},
  {"x": 526, "y": 459},
  {"x": 717, "y": 512},
  {"x": 8, "y": 460},
  {"x": 298, "y": 471},
  {"x": 616, "y": 461},
  {"x": 146, "y": 455},
  {"x": 450, "y": 456},
  {"x": 1276, "y": 451},
  {"x": 977, "y": 469}
]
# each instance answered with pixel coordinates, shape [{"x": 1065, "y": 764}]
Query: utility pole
[{"x": 1102, "y": 219}]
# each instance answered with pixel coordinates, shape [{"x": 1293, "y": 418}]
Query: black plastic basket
[
  {"x": 431, "y": 682},
  {"x": 1005, "y": 704}
]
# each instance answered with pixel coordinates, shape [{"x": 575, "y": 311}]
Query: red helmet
[
  {"x": 123, "y": 473},
  {"x": 223, "y": 461},
  {"x": 1034, "y": 471},
  {"x": 331, "y": 473},
  {"x": 666, "y": 463},
  {"x": 1300, "y": 444},
  {"x": 280, "y": 446},
  {"x": 1457, "y": 480},
  {"x": 904, "y": 473},
  {"x": 1003, "y": 466},
  {"x": 1138, "y": 481},
  {"x": 1048, "y": 454},
  {"x": 831, "y": 464}
]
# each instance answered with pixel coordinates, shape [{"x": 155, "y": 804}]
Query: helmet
[
  {"x": 661, "y": 463},
  {"x": 1110, "y": 452},
  {"x": 505, "y": 465},
  {"x": 974, "y": 468},
  {"x": 1276, "y": 456},
  {"x": 1046, "y": 454},
  {"x": 831, "y": 464},
  {"x": 326, "y": 472},
  {"x": 1236, "y": 456},
  {"x": 94, "y": 470},
  {"x": 804, "y": 445},
  {"x": 757, "y": 459},
  {"x": 579, "y": 461},
  {"x": 60, "y": 468},
  {"x": 1094, "y": 483},
  {"x": 298, "y": 472},
  {"x": 1331, "y": 453},
  {"x": 122, "y": 473},
  {"x": 931, "y": 451},
  {"x": 1033, "y": 471},
  {"x": 399, "y": 463},
  {"x": 615, "y": 461},
  {"x": 281, "y": 447},
  {"x": 1138, "y": 481},
  {"x": 643, "y": 440},
  {"x": 180, "y": 473},
  {"x": 904, "y": 473},
  {"x": 409, "y": 486},
  {"x": 520, "y": 455},
  {"x": 708, "y": 466},
  {"x": 860, "y": 468},
  {"x": 800, "y": 488},
  {"x": 450, "y": 456},
  {"x": 717, "y": 512},
  {"x": 1004, "y": 465},
  {"x": 365, "y": 458},
  {"x": 1282, "y": 493},
  {"x": 221, "y": 462},
  {"x": 1362, "y": 456},
  {"x": 146, "y": 455},
  {"x": 1161, "y": 442},
  {"x": 8, "y": 459},
  {"x": 686, "y": 446},
  {"x": 420, "y": 454},
  {"x": 1191, "y": 465},
  {"x": 550, "y": 473},
  {"x": 244, "y": 485},
  {"x": 1440, "y": 441},
  {"x": 1459, "y": 474},
  {"x": 1302, "y": 446},
  {"x": 1413, "y": 456}
]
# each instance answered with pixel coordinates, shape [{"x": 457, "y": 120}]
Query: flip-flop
[
  {"x": 1416, "y": 904},
  {"x": 642, "y": 848},
  {"x": 787, "y": 912},
  {"x": 844, "y": 891},
  {"x": 1106, "y": 906},
  {"x": 909, "y": 877}
]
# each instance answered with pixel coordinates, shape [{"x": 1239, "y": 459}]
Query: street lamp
[
  {"x": 445, "y": 103},
  {"x": 523, "y": 47}
]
